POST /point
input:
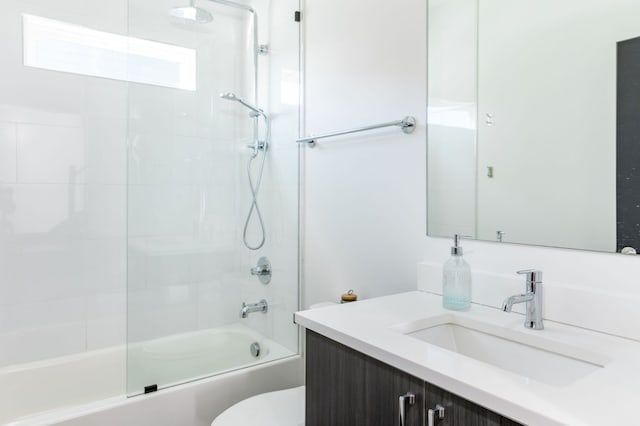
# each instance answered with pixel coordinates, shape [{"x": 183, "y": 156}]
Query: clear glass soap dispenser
[{"x": 456, "y": 280}]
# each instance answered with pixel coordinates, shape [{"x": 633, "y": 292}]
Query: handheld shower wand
[
  {"x": 257, "y": 147},
  {"x": 233, "y": 97}
]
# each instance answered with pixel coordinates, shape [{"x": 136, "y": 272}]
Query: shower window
[{"x": 60, "y": 46}]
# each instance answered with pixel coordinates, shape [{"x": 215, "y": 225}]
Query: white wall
[
  {"x": 364, "y": 209},
  {"x": 365, "y": 214}
]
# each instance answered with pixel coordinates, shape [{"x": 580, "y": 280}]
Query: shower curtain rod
[{"x": 407, "y": 125}]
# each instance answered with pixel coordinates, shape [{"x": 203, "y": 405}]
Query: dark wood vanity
[{"x": 345, "y": 387}]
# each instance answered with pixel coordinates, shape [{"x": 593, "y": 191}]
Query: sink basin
[{"x": 531, "y": 356}]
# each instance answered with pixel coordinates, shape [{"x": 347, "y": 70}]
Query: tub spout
[{"x": 247, "y": 309}]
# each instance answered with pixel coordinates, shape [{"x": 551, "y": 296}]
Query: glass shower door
[{"x": 189, "y": 193}]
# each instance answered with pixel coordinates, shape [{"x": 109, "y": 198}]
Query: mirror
[{"x": 534, "y": 122}]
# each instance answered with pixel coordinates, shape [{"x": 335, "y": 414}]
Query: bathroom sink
[{"x": 524, "y": 353}]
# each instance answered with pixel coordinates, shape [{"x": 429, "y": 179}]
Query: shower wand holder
[{"x": 262, "y": 146}]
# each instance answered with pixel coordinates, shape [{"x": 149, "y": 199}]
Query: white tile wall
[
  {"x": 106, "y": 318},
  {"x": 104, "y": 211},
  {"x": 41, "y": 209},
  {"x": 36, "y": 330},
  {"x": 8, "y": 152},
  {"x": 37, "y": 114},
  {"x": 191, "y": 195},
  {"x": 50, "y": 154},
  {"x": 106, "y": 142},
  {"x": 31, "y": 315},
  {"x": 62, "y": 197},
  {"x": 65, "y": 205},
  {"x": 43, "y": 342}
]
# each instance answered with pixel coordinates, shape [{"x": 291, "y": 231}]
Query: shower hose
[{"x": 254, "y": 186}]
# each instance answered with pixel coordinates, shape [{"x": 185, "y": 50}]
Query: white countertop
[{"x": 605, "y": 397}]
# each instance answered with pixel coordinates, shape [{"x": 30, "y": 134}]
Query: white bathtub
[{"x": 89, "y": 388}]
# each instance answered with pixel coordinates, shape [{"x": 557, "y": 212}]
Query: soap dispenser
[{"x": 456, "y": 280}]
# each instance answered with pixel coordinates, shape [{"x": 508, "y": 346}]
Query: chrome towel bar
[{"x": 407, "y": 124}]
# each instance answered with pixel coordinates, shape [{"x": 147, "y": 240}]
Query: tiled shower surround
[{"x": 114, "y": 192}]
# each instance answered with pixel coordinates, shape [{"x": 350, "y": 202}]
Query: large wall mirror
[{"x": 534, "y": 122}]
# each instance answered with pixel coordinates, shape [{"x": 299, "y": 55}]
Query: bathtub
[{"x": 89, "y": 388}]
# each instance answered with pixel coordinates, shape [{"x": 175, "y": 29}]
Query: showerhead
[
  {"x": 191, "y": 13},
  {"x": 233, "y": 97}
]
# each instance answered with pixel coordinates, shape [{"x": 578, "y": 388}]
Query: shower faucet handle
[{"x": 262, "y": 270}]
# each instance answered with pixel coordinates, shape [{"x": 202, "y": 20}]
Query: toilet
[{"x": 280, "y": 408}]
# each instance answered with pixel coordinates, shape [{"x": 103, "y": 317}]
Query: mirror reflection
[{"x": 533, "y": 122}]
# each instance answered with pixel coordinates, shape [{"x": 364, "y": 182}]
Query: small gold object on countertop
[{"x": 349, "y": 296}]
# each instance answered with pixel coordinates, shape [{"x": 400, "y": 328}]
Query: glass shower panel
[
  {"x": 62, "y": 207},
  {"x": 189, "y": 194}
]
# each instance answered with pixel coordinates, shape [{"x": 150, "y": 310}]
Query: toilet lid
[{"x": 280, "y": 408}]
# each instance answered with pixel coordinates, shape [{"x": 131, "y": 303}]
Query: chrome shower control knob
[{"x": 262, "y": 270}]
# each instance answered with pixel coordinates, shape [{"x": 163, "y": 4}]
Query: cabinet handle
[
  {"x": 402, "y": 401},
  {"x": 433, "y": 412}
]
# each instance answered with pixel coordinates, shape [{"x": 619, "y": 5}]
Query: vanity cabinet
[
  {"x": 344, "y": 387},
  {"x": 461, "y": 412}
]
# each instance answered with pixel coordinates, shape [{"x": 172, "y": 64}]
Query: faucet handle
[{"x": 533, "y": 275}]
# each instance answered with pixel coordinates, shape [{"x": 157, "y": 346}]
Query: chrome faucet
[
  {"x": 533, "y": 299},
  {"x": 261, "y": 306}
]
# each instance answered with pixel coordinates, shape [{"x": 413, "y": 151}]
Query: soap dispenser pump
[{"x": 456, "y": 280}]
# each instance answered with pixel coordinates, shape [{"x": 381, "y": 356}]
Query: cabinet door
[
  {"x": 459, "y": 411},
  {"x": 347, "y": 388}
]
